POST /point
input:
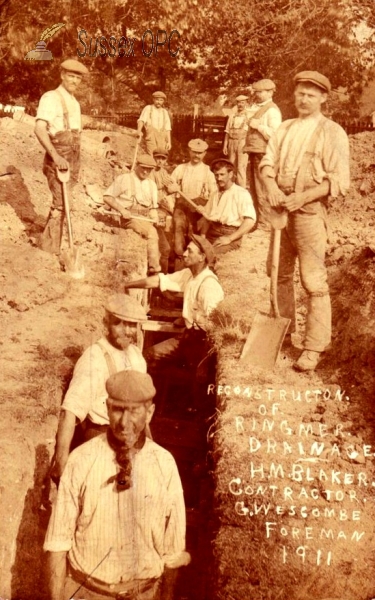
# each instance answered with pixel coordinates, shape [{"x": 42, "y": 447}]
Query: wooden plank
[{"x": 161, "y": 326}]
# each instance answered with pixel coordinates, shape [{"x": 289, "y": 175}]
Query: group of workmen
[{"x": 118, "y": 526}]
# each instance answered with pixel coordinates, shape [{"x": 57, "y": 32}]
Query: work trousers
[
  {"x": 149, "y": 232},
  {"x": 239, "y": 159},
  {"x": 305, "y": 238},
  {"x": 67, "y": 144},
  {"x": 155, "y": 139},
  {"x": 258, "y": 192},
  {"x": 217, "y": 230}
]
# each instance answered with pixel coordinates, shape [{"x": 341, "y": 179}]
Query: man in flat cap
[
  {"x": 306, "y": 163},
  {"x": 202, "y": 293},
  {"x": 196, "y": 181},
  {"x": 58, "y": 127},
  {"x": 119, "y": 518},
  {"x": 135, "y": 197},
  {"x": 230, "y": 214},
  {"x": 264, "y": 118},
  {"x": 234, "y": 140},
  {"x": 85, "y": 400},
  {"x": 156, "y": 122}
]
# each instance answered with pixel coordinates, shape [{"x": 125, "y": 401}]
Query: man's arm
[
  {"x": 41, "y": 133},
  {"x": 225, "y": 145},
  {"x": 116, "y": 205},
  {"x": 64, "y": 436},
  {"x": 297, "y": 200},
  {"x": 145, "y": 283},
  {"x": 274, "y": 195},
  {"x": 246, "y": 225},
  {"x": 56, "y": 573}
]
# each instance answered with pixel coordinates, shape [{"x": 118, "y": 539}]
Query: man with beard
[
  {"x": 230, "y": 214},
  {"x": 85, "y": 400},
  {"x": 58, "y": 127},
  {"x": 119, "y": 519}
]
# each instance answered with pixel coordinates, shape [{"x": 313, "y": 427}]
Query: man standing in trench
[
  {"x": 306, "y": 163},
  {"x": 58, "y": 127}
]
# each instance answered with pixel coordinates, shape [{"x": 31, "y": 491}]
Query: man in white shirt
[
  {"x": 230, "y": 214},
  {"x": 85, "y": 400},
  {"x": 202, "y": 293},
  {"x": 119, "y": 518},
  {"x": 135, "y": 195},
  {"x": 197, "y": 182},
  {"x": 306, "y": 163},
  {"x": 234, "y": 140},
  {"x": 156, "y": 122},
  {"x": 58, "y": 126},
  {"x": 264, "y": 117}
]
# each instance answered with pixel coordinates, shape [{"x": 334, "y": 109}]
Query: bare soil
[{"x": 48, "y": 318}]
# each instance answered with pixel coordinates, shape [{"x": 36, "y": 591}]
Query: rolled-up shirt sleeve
[
  {"x": 87, "y": 375},
  {"x": 336, "y": 160},
  {"x": 174, "y": 282}
]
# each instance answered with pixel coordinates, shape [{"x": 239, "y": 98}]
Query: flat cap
[
  {"x": 198, "y": 145},
  {"x": 160, "y": 152},
  {"x": 74, "y": 66},
  {"x": 130, "y": 386},
  {"x": 242, "y": 97},
  {"x": 145, "y": 160},
  {"x": 125, "y": 308},
  {"x": 221, "y": 160},
  {"x": 321, "y": 81},
  {"x": 263, "y": 84},
  {"x": 205, "y": 247},
  {"x": 159, "y": 95}
]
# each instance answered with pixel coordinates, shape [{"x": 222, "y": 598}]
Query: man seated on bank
[
  {"x": 230, "y": 214},
  {"x": 119, "y": 519},
  {"x": 202, "y": 293},
  {"x": 85, "y": 400},
  {"x": 135, "y": 197},
  {"x": 197, "y": 182}
]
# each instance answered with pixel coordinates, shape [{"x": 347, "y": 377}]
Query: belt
[{"x": 120, "y": 591}]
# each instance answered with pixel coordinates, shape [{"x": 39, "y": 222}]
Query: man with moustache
[
  {"x": 234, "y": 140},
  {"x": 306, "y": 163},
  {"x": 197, "y": 182},
  {"x": 264, "y": 117},
  {"x": 119, "y": 518},
  {"x": 58, "y": 127},
  {"x": 85, "y": 400},
  {"x": 230, "y": 214}
]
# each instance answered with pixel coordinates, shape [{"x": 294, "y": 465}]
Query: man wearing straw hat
[{"x": 58, "y": 127}]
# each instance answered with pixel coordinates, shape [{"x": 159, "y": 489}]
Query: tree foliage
[{"x": 222, "y": 47}]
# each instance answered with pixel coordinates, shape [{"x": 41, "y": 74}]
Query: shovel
[
  {"x": 71, "y": 259},
  {"x": 267, "y": 332}
]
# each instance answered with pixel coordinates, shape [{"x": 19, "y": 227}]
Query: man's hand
[
  {"x": 224, "y": 240},
  {"x": 274, "y": 195},
  {"x": 57, "y": 467},
  {"x": 153, "y": 214},
  {"x": 173, "y": 188},
  {"x": 168, "y": 146},
  {"x": 293, "y": 201},
  {"x": 60, "y": 162},
  {"x": 174, "y": 561},
  {"x": 225, "y": 150},
  {"x": 254, "y": 123},
  {"x": 125, "y": 213}
]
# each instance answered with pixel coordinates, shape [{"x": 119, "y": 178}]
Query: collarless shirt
[
  {"x": 201, "y": 294},
  {"x": 118, "y": 536},
  {"x": 231, "y": 207},
  {"x": 51, "y": 110},
  {"x": 270, "y": 121},
  {"x": 195, "y": 180},
  {"x": 158, "y": 118},
  {"x": 87, "y": 395},
  {"x": 128, "y": 188},
  {"x": 237, "y": 121}
]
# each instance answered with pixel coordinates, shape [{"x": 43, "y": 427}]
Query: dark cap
[
  {"x": 130, "y": 386},
  {"x": 263, "y": 84},
  {"x": 145, "y": 160},
  {"x": 222, "y": 160},
  {"x": 125, "y": 308},
  {"x": 321, "y": 81},
  {"x": 205, "y": 247},
  {"x": 159, "y": 95},
  {"x": 74, "y": 66},
  {"x": 160, "y": 152}
]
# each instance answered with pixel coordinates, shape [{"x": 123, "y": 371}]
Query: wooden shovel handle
[{"x": 276, "y": 237}]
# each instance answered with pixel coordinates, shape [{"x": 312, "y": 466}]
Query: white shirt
[
  {"x": 86, "y": 396},
  {"x": 195, "y": 180},
  {"x": 230, "y": 207},
  {"x": 157, "y": 117},
  {"x": 201, "y": 294},
  {"x": 237, "y": 121},
  {"x": 269, "y": 122},
  {"x": 128, "y": 187},
  {"x": 50, "y": 109},
  {"x": 136, "y": 528}
]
